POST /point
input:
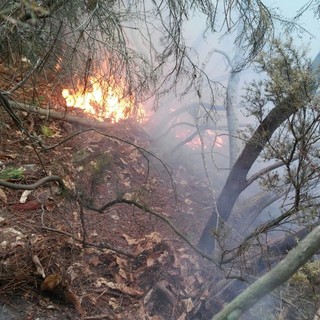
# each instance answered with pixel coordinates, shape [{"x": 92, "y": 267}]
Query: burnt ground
[{"x": 58, "y": 259}]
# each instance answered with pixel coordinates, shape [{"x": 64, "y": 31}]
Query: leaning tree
[
  {"x": 67, "y": 41},
  {"x": 285, "y": 105}
]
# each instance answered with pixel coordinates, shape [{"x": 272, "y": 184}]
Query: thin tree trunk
[
  {"x": 232, "y": 118},
  {"x": 237, "y": 179},
  {"x": 232, "y": 98}
]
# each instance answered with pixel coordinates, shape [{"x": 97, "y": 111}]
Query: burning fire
[{"x": 104, "y": 100}]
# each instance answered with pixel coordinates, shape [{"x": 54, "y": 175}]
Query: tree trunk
[
  {"x": 232, "y": 118},
  {"x": 237, "y": 179},
  {"x": 232, "y": 97}
]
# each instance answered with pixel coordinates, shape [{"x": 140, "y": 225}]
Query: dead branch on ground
[
  {"x": 93, "y": 124},
  {"x": 159, "y": 216},
  {"x": 33, "y": 186}
]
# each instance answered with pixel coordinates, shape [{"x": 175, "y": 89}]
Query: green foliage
[
  {"x": 289, "y": 80},
  {"x": 303, "y": 291},
  {"x": 308, "y": 275},
  {"x": 79, "y": 37},
  {"x": 12, "y": 173},
  {"x": 94, "y": 164},
  {"x": 47, "y": 131},
  {"x": 289, "y": 84},
  {"x": 38, "y": 101}
]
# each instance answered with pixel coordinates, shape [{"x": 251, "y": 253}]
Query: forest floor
[{"x": 60, "y": 260}]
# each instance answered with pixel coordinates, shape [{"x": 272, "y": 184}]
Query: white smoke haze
[
  {"x": 190, "y": 126},
  {"x": 180, "y": 116},
  {"x": 199, "y": 121}
]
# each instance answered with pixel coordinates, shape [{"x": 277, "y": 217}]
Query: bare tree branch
[{"x": 159, "y": 216}]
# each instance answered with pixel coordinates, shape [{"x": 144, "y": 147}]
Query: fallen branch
[
  {"x": 144, "y": 152},
  {"x": 159, "y": 216},
  {"x": 100, "y": 246},
  {"x": 93, "y": 125},
  {"x": 33, "y": 186},
  {"x": 48, "y": 113},
  {"x": 274, "y": 278}
]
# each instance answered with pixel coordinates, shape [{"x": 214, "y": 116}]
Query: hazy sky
[
  {"x": 308, "y": 21},
  {"x": 217, "y": 68},
  {"x": 288, "y": 9}
]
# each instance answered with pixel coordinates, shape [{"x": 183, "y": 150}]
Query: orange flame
[{"x": 103, "y": 100}]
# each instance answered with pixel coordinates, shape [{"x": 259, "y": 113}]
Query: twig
[
  {"x": 262, "y": 172},
  {"x": 97, "y": 317},
  {"x": 144, "y": 152},
  {"x": 82, "y": 224},
  {"x": 94, "y": 126},
  {"x": 24, "y": 80},
  {"x": 87, "y": 244},
  {"x": 39, "y": 64},
  {"x": 8, "y": 107},
  {"x": 159, "y": 216}
]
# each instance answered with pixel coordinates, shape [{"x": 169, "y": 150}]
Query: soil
[{"x": 61, "y": 260}]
